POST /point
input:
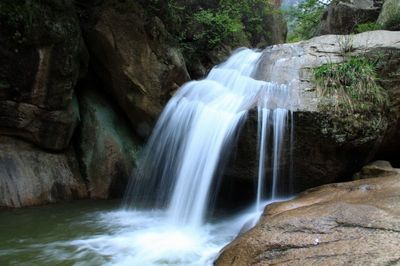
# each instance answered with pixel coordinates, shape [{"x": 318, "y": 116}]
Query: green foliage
[
  {"x": 353, "y": 98},
  {"x": 215, "y": 27},
  {"x": 28, "y": 21},
  {"x": 201, "y": 26},
  {"x": 390, "y": 15},
  {"x": 369, "y": 26},
  {"x": 353, "y": 82},
  {"x": 394, "y": 22},
  {"x": 303, "y": 19}
]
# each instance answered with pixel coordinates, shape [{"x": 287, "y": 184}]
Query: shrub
[
  {"x": 352, "y": 99},
  {"x": 304, "y": 18},
  {"x": 353, "y": 82},
  {"x": 215, "y": 27},
  {"x": 203, "y": 25},
  {"x": 369, "y": 26}
]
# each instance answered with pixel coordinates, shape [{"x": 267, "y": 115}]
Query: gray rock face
[
  {"x": 29, "y": 176},
  {"x": 324, "y": 150},
  {"x": 41, "y": 58},
  {"x": 107, "y": 147},
  {"x": 349, "y": 148},
  {"x": 355, "y": 223},
  {"x": 133, "y": 57},
  {"x": 342, "y": 16}
]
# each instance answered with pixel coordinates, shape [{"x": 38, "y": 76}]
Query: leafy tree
[{"x": 304, "y": 18}]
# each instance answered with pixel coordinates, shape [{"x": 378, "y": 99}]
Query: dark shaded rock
[
  {"x": 132, "y": 55},
  {"x": 30, "y": 176},
  {"x": 338, "y": 224},
  {"x": 342, "y": 16},
  {"x": 107, "y": 146},
  {"x": 41, "y": 58},
  {"x": 389, "y": 65}
]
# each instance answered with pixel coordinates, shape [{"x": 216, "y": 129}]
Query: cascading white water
[
  {"x": 174, "y": 183},
  {"x": 273, "y": 109},
  {"x": 197, "y": 128}
]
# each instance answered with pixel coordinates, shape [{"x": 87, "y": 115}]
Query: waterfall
[
  {"x": 273, "y": 109},
  {"x": 197, "y": 129}
]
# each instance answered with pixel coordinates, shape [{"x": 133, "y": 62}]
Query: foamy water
[{"x": 132, "y": 238}]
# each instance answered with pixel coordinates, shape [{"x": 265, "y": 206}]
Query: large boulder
[
  {"x": 133, "y": 56},
  {"x": 327, "y": 146},
  {"x": 389, "y": 17},
  {"x": 389, "y": 72},
  {"x": 377, "y": 168},
  {"x": 30, "y": 176},
  {"x": 107, "y": 146},
  {"x": 355, "y": 223},
  {"x": 41, "y": 58},
  {"x": 342, "y": 16}
]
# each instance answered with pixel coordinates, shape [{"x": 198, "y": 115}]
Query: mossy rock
[
  {"x": 389, "y": 17},
  {"x": 107, "y": 146}
]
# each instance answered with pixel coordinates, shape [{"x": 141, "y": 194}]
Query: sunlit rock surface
[{"x": 355, "y": 223}]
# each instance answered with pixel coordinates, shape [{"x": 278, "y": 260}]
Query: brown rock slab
[
  {"x": 354, "y": 223},
  {"x": 377, "y": 168}
]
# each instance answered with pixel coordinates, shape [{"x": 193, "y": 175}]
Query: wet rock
[
  {"x": 30, "y": 176},
  {"x": 338, "y": 224},
  {"x": 133, "y": 56},
  {"x": 342, "y": 17},
  {"x": 325, "y": 149},
  {"x": 107, "y": 146},
  {"x": 41, "y": 58}
]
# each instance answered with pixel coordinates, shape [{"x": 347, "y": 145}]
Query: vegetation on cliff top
[
  {"x": 304, "y": 18},
  {"x": 211, "y": 23},
  {"x": 199, "y": 27},
  {"x": 352, "y": 96}
]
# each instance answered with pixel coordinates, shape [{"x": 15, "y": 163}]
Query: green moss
[
  {"x": 393, "y": 23},
  {"x": 369, "y": 26},
  {"x": 390, "y": 15},
  {"x": 355, "y": 105}
]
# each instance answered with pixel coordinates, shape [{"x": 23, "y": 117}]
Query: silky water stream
[{"x": 165, "y": 218}]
